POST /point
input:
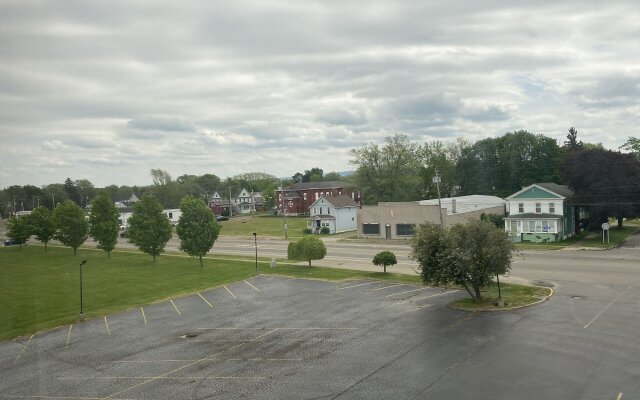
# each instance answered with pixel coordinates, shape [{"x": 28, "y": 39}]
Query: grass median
[
  {"x": 512, "y": 294},
  {"x": 41, "y": 290}
]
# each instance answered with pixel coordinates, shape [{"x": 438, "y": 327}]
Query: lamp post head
[{"x": 83, "y": 262}]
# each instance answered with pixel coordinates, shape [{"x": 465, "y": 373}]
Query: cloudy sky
[{"x": 107, "y": 90}]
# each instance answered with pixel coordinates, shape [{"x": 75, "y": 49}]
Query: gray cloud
[{"x": 236, "y": 86}]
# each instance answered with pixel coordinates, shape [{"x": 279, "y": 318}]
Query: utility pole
[
  {"x": 437, "y": 180},
  {"x": 230, "y": 213}
]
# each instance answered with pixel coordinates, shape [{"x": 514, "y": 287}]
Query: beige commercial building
[{"x": 398, "y": 220}]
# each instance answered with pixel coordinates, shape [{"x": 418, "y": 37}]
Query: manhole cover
[{"x": 188, "y": 336}]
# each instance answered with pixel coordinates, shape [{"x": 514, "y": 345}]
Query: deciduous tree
[
  {"x": 197, "y": 229},
  {"x": 71, "y": 226},
  {"x": 104, "y": 224},
  {"x": 469, "y": 255},
  {"x": 385, "y": 258},
  {"x": 42, "y": 225},
  {"x": 308, "y": 248},
  {"x": 149, "y": 227},
  {"x": 19, "y": 229}
]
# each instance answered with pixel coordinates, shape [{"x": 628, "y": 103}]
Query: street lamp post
[
  {"x": 437, "y": 180},
  {"x": 255, "y": 244},
  {"x": 81, "y": 264},
  {"x": 500, "y": 300}
]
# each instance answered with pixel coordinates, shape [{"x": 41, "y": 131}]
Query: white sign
[{"x": 605, "y": 226}]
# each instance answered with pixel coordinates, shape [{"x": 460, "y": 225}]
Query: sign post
[{"x": 605, "y": 228}]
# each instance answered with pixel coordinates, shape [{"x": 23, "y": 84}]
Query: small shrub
[
  {"x": 385, "y": 258},
  {"x": 307, "y": 231},
  {"x": 325, "y": 230}
]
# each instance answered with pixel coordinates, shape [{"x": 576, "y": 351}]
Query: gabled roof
[
  {"x": 318, "y": 185},
  {"x": 553, "y": 189},
  {"x": 341, "y": 201}
]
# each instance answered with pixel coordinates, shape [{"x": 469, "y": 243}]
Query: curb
[{"x": 507, "y": 308}]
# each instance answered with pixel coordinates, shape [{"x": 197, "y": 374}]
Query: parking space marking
[
  {"x": 386, "y": 287},
  {"x": 252, "y": 286},
  {"x": 607, "y": 307},
  {"x": 426, "y": 297},
  {"x": 313, "y": 328},
  {"x": 144, "y": 318},
  {"x": 24, "y": 348},
  {"x": 106, "y": 324},
  {"x": 408, "y": 291},
  {"x": 264, "y": 334},
  {"x": 152, "y": 377},
  {"x": 174, "y": 306},
  {"x": 68, "y": 336},
  {"x": 619, "y": 396},
  {"x": 352, "y": 286},
  {"x": 205, "y": 300},
  {"x": 231, "y": 293},
  {"x": 15, "y": 396},
  {"x": 213, "y": 359}
]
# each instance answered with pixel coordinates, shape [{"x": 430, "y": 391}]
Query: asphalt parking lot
[{"x": 282, "y": 338}]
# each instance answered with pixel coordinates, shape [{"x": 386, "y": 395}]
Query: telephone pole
[{"x": 437, "y": 180}]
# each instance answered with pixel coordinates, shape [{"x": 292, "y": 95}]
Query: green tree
[
  {"x": 71, "y": 190},
  {"x": 605, "y": 183},
  {"x": 633, "y": 145},
  {"x": 197, "y": 229},
  {"x": 313, "y": 175},
  {"x": 308, "y": 248},
  {"x": 19, "y": 229},
  {"x": 86, "y": 191},
  {"x": 469, "y": 255},
  {"x": 332, "y": 176},
  {"x": 572, "y": 143},
  {"x": 385, "y": 258},
  {"x": 42, "y": 225},
  {"x": 103, "y": 222},
  {"x": 71, "y": 225},
  {"x": 149, "y": 227},
  {"x": 390, "y": 172}
]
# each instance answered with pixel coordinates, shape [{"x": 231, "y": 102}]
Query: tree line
[
  {"x": 606, "y": 182},
  {"x": 149, "y": 228}
]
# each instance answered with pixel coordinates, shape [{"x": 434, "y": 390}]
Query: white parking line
[
  {"x": 143, "y": 316},
  {"x": 387, "y": 287},
  {"x": 205, "y": 300},
  {"x": 174, "y": 306},
  {"x": 24, "y": 348},
  {"x": 408, "y": 291},
  {"x": 607, "y": 307},
  {"x": 234, "y": 296},
  {"x": 251, "y": 286},
  {"x": 352, "y": 286},
  {"x": 68, "y": 336},
  {"x": 106, "y": 324}
]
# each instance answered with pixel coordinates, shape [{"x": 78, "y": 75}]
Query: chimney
[{"x": 453, "y": 206}]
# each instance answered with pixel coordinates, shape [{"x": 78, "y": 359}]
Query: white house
[
  {"x": 338, "y": 213},
  {"x": 541, "y": 212},
  {"x": 173, "y": 215}
]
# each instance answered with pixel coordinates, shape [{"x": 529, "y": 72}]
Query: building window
[
  {"x": 170, "y": 215},
  {"x": 552, "y": 208},
  {"x": 405, "y": 229},
  {"x": 520, "y": 207},
  {"x": 538, "y": 208},
  {"x": 532, "y": 226},
  {"x": 314, "y": 211},
  {"x": 320, "y": 210},
  {"x": 328, "y": 211},
  {"x": 316, "y": 195},
  {"x": 371, "y": 229}
]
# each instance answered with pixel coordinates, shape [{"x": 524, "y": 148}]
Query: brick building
[{"x": 297, "y": 198}]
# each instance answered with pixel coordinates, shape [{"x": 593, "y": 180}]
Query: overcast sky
[{"x": 107, "y": 90}]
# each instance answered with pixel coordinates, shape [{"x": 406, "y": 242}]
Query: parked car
[
  {"x": 10, "y": 242},
  {"x": 222, "y": 218}
]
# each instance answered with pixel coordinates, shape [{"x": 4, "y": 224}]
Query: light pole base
[
  {"x": 81, "y": 317},
  {"x": 500, "y": 302}
]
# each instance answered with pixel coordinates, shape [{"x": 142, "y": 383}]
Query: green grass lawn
[
  {"x": 41, "y": 290},
  {"x": 513, "y": 296},
  {"x": 264, "y": 225},
  {"x": 552, "y": 245},
  {"x": 617, "y": 236}
]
